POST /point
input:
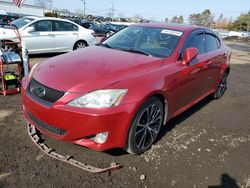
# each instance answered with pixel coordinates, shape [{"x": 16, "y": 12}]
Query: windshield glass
[
  {"x": 22, "y": 22},
  {"x": 157, "y": 42}
]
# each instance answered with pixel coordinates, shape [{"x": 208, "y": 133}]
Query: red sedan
[{"x": 119, "y": 93}]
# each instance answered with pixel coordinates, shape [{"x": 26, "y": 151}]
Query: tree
[
  {"x": 137, "y": 18},
  {"x": 205, "y": 19},
  {"x": 242, "y": 23},
  {"x": 181, "y": 19},
  {"x": 174, "y": 19},
  {"x": 222, "y": 22},
  {"x": 177, "y": 19},
  {"x": 79, "y": 12},
  {"x": 43, "y": 3}
]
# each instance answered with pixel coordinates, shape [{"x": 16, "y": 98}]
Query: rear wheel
[
  {"x": 145, "y": 127},
  {"x": 222, "y": 87},
  {"x": 79, "y": 45}
]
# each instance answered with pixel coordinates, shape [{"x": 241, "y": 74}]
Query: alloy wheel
[
  {"x": 223, "y": 86},
  {"x": 80, "y": 45},
  {"x": 148, "y": 126}
]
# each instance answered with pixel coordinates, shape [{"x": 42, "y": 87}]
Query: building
[{"x": 10, "y": 8}]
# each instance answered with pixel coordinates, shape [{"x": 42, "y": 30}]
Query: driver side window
[
  {"x": 197, "y": 42},
  {"x": 194, "y": 41},
  {"x": 42, "y": 26}
]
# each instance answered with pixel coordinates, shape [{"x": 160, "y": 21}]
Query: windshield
[
  {"x": 157, "y": 42},
  {"x": 22, "y": 22}
]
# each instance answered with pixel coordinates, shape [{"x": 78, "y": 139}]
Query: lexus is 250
[{"x": 119, "y": 93}]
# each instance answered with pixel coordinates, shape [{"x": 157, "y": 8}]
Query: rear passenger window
[
  {"x": 197, "y": 42},
  {"x": 212, "y": 43},
  {"x": 65, "y": 26}
]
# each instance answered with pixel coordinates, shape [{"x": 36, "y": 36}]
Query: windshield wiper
[{"x": 136, "y": 51}]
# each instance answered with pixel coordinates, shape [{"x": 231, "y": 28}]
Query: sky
[{"x": 157, "y": 9}]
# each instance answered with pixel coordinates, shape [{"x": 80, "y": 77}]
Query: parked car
[
  {"x": 113, "y": 28},
  {"x": 120, "y": 93},
  {"x": 46, "y": 34},
  {"x": 8, "y": 18},
  {"x": 99, "y": 28}
]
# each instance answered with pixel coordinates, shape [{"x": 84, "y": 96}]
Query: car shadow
[
  {"x": 171, "y": 124},
  {"x": 46, "y": 55},
  {"x": 116, "y": 152},
  {"x": 226, "y": 182}
]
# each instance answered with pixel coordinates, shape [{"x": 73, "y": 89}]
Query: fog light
[{"x": 101, "y": 137}]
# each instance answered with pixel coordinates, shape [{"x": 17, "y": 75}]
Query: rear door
[
  {"x": 41, "y": 40},
  {"x": 66, "y": 34},
  {"x": 216, "y": 58}
]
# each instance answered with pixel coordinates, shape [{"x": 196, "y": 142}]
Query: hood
[{"x": 92, "y": 68}]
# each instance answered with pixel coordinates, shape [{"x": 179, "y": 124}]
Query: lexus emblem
[{"x": 40, "y": 92}]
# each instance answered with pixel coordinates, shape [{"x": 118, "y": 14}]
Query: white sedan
[{"x": 46, "y": 34}]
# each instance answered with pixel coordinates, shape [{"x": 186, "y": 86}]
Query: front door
[
  {"x": 41, "y": 40},
  {"x": 192, "y": 78}
]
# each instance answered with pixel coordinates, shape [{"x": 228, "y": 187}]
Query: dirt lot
[{"x": 207, "y": 146}]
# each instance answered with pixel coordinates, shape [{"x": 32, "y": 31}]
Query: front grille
[
  {"x": 43, "y": 93},
  {"x": 46, "y": 127}
]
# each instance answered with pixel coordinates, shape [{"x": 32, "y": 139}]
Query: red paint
[{"x": 93, "y": 68}]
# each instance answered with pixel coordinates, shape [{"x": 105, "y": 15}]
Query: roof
[
  {"x": 179, "y": 27},
  {"x": 46, "y": 18}
]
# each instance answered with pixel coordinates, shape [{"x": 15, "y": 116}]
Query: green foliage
[
  {"x": 51, "y": 14},
  {"x": 205, "y": 19},
  {"x": 242, "y": 23},
  {"x": 177, "y": 19}
]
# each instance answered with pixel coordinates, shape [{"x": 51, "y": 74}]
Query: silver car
[{"x": 46, "y": 34}]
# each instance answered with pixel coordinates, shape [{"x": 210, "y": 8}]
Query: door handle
[
  {"x": 74, "y": 33},
  {"x": 209, "y": 63},
  {"x": 195, "y": 71},
  {"x": 51, "y": 35}
]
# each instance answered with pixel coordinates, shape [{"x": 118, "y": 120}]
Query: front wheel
[
  {"x": 222, "y": 87},
  {"x": 145, "y": 126}
]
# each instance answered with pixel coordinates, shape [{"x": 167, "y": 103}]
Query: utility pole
[
  {"x": 113, "y": 11},
  {"x": 50, "y": 5},
  {"x": 84, "y": 7}
]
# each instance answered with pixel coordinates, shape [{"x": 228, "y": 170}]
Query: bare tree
[
  {"x": 43, "y": 3},
  {"x": 137, "y": 18},
  {"x": 79, "y": 12}
]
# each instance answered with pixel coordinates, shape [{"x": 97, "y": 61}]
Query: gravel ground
[{"x": 206, "y": 146}]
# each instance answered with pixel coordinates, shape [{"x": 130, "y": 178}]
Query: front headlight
[
  {"x": 32, "y": 71},
  {"x": 100, "y": 99}
]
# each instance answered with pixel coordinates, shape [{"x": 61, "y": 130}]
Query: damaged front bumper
[{"x": 35, "y": 137}]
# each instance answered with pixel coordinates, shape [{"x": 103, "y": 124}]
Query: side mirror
[
  {"x": 30, "y": 29},
  {"x": 189, "y": 55}
]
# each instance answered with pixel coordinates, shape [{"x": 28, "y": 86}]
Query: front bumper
[{"x": 77, "y": 125}]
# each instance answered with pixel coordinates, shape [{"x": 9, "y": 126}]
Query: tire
[
  {"x": 145, "y": 126},
  {"x": 80, "y": 44},
  {"x": 222, "y": 87}
]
